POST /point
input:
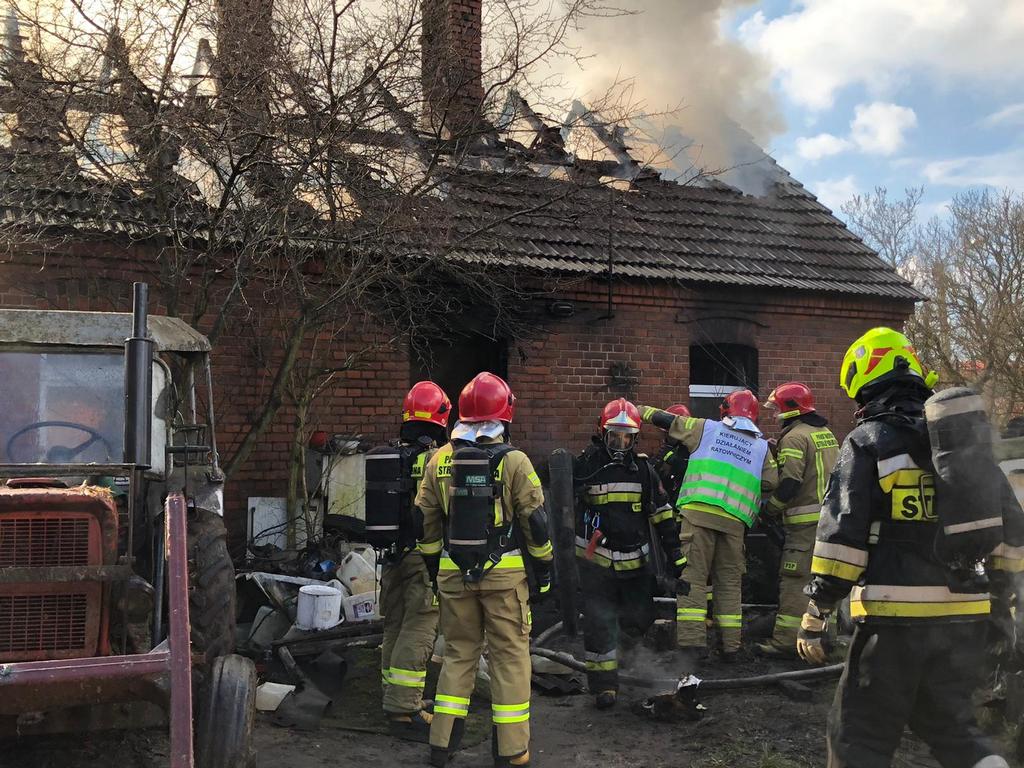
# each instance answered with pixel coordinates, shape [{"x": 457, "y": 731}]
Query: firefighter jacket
[
  {"x": 670, "y": 464},
  {"x": 727, "y": 474},
  {"x": 807, "y": 452},
  {"x": 521, "y": 500},
  {"x": 619, "y": 499},
  {"x": 876, "y": 536}
]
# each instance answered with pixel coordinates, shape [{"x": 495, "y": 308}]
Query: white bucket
[{"x": 319, "y": 606}]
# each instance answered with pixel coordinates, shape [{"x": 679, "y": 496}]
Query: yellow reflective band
[
  {"x": 648, "y": 412},
  {"x": 823, "y": 566},
  {"x": 423, "y": 414},
  {"x": 681, "y": 561},
  {"x": 691, "y": 422},
  {"x": 507, "y": 562},
  {"x": 793, "y": 453},
  {"x": 787, "y": 622},
  {"x": 602, "y": 666},
  {"x": 710, "y": 595},
  {"x": 691, "y": 614},
  {"x": 810, "y": 517},
  {"x": 451, "y": 705},
  {"x": 789, "y": 414},
  {"x": 862, "y": 608},
  {"x": 532, "y": 477},
  {"x": 612, "y": 498},
  {"x": 729, "y": 620},
  {"x": 545, "y": 588},
  {"x": 661, "y": 517},
  {"x": 1008, "y": 564},
  {"x": 430, "y": 547},
  {"x": 406, "y": 678},
  {"x": 510, "y": 713},
  {"x": 543, "y": 550}
]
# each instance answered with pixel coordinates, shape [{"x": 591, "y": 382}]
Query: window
[{"x": 715, "y": 371}]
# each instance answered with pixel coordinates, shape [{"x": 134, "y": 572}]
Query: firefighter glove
[
  {"x": 811, "y": 642},
  {"x": 433, "y": 563},
  {"x": 542, "y": 576},
  {"x": 682, "y": 587}
]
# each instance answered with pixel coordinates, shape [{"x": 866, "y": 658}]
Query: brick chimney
[{"x": 451, "y": 45}]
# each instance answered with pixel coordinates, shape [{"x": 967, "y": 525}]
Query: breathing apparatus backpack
[
  {"x": 392, "y": 522},
  {"x": 477, "y": 534},
  {"x": 970, "y": 488}
]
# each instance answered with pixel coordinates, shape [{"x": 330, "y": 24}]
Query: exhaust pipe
[{"x": 138, "y": 384}]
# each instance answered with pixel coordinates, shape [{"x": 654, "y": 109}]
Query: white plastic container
[
  {"x": 319, "y": 606},
  {"x": 361, "y": 607},
  {"x": 358, "y": 571}
]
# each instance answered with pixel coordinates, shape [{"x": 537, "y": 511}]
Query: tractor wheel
[
  {"x": 224, "y": 720},
  {"x": 211, "y": 594}
]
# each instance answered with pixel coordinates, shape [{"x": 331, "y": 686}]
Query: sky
[{"x": 897, "y": 93}]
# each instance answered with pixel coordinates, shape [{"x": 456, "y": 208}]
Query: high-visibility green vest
[{"x": 725, "y": 471}]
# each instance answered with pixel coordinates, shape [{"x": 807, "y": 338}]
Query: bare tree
[{"x": 889, "y": 226}]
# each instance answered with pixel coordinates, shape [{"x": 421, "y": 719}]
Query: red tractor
[{"x": 117, "y": 598}]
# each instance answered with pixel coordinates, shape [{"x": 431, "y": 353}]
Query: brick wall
[{"x": 561, "y": 378}]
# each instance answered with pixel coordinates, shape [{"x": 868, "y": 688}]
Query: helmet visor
[{"x": 618, "y": 440}]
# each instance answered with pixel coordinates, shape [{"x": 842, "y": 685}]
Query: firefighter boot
[
  {"x": 519, "y": 761},
  {"x": 606, "y": 699},
  {"x": 414, "y": 727}
]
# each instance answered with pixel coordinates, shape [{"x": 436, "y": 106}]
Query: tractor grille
[
  {"x": 40, "y": 542},
  {"x": 32, "y": 624}
]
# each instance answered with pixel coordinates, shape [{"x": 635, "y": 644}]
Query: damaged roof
[
  {"x": 662, "y": 230},
  {"x": 94, "y": 329}
]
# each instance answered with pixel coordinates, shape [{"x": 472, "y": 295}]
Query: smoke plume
[{"x": 682, "y": 64}]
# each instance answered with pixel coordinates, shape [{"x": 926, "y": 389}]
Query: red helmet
[
  {"x": 621, "y": 415},
  {"x": 485, "y": 398},
  {"x": 679, "y": 410},
  {"x": 740, "y": 403},
  {"x": 426, "y": 401},
  {"x": 791, "y": 399}
]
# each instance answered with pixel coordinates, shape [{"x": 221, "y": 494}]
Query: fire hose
[{"x": 723, "y": 684}]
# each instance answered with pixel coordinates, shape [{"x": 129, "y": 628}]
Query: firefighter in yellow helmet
[
  {"x": 483, "y": 515},
  {"x": 807, "y": 451},
  {"x": 916, "y": 652}
]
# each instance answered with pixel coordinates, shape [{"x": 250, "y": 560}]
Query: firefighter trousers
[
  {"x": 617, "y": 610},
  {"x": 410, "y": 611},
  {"x": 794, "y": 572},
  {"x": 720, "y": 555},
  {"x": 466, "y": 616},
  {"x": 921, "y": 676}
]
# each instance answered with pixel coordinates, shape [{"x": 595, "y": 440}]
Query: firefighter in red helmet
[
  {"x": 671, "y": 459},
  {"x": 807, "y": 452},
  {"x": 393, "y": 525},
  {"x": 730, "y": 468},
  {"x": 483, "y": 514},
  {"x": 618, "y": 499}
]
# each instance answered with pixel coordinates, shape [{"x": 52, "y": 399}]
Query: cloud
[
  {"x": 1002, "y": 170},
  {"x": 1009, "y": 115},
  {"x": 834, "y": 192},
  {"x": 823, "y": 46},
  {"x": 879, "y": 128},
  {"x": 823, "y": 145}
]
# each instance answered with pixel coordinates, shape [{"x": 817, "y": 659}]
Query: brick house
[{"x": 645, "y": 288}]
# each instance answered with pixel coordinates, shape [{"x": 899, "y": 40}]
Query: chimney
[{"x": 451, "y": 43}]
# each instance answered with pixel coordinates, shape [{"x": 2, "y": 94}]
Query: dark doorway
[{"x": 453, "y": 365}]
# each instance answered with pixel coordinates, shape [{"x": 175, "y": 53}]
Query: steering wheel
[{"x": 60, "y": 454}]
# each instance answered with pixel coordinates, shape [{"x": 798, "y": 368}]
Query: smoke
[{"x": 706, "y": 96}]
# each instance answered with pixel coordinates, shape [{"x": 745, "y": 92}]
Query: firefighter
[
  {"x": 393, "y": 525},
  {"x": 483, "y": 513},
  {"x": 619, "y": 499},
  {"x": 670, "y": 461},
  {"x": 730, "y": 468},
  {"x": 920, "y": 623},
  {"x": 807, "y": 452}
]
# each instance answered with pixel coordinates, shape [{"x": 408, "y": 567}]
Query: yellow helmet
[{"x": 878, "y": 355}]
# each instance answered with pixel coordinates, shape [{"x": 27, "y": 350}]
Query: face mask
[{"x": 618, "y": 442}]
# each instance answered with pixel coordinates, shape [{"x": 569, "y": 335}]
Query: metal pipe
[
  {"x": 176, "y": 533},
  {"x": 214, "y": 455},
  {"x": 139, "y": 351}
]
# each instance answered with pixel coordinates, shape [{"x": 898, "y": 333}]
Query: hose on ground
[{"x": 723, "y": 684}]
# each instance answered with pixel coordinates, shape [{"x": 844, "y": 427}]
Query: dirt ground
[{"x": 760, "y": 728}]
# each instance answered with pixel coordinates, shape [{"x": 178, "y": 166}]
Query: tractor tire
[
  {"x": 211, "y": 594},
  {"x": 226, "y": 711}
]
